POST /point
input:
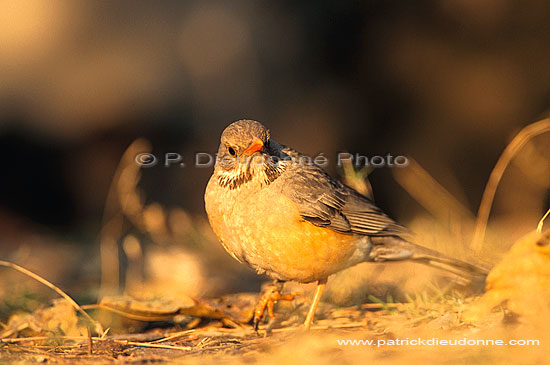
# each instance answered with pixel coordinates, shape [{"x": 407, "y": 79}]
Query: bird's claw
[{"x": 267, "y": 300}]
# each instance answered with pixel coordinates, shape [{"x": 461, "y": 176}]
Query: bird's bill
[{"x": 254, "y": 147}]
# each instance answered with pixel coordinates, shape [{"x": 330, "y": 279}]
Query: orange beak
[{"x": 254, "y": 147}]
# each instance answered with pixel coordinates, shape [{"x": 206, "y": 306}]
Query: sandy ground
[{"x": 399, "y": 333}]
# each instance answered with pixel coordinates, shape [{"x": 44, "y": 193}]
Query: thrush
[
  {"x": 520, "y": 281},
  {"x": 283, "y": 215}
]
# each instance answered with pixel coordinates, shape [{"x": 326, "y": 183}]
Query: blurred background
[{"x": 447, "y": 83}]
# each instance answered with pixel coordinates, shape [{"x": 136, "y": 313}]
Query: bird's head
[
  {"x": 534, "y": 244},
  {"x": 245, "y": 155}
]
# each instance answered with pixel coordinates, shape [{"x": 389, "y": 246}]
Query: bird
[
  {"x": 520, "y": 281},
  {"x": 274, "y": 209}
]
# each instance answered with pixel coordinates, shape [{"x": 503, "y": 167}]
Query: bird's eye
[
  {"x": 542, "y": 242},
  {"x": 231, "y": 151}
]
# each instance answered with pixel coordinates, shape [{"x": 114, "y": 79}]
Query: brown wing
[{"x": 326, "y": 202}]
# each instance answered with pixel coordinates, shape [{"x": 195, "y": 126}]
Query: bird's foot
[{"x": 269, "y": 297}]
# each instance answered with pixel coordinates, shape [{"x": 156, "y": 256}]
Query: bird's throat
[{"x": 245, "y": 174}]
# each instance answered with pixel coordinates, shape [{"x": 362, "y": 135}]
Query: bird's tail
[{"x": 394, "y": 248}]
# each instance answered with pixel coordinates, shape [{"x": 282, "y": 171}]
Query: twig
[
  {"x": 24, "y": 339},
  {"x": 357, "y": 179},
  {"x": 382, "y": 305},
  {"x": 173, "y": 336},
  {"x": 85, "y": 338},
  {"x": 137, "y": 317},
  {"x": 323, "y": 327},
  {"x": 541, "y": 222},
  {"x": 113, "y": 217},
  {"x": 155, "y": 345},
  {"x": 430, "y": 194},
  {"x": 40, "y": 279},
  {"x": 90, "y": 341},
  {"x": 510, "y": 151}
]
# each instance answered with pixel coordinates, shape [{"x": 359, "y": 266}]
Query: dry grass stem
[
  {"x": 510, "y": 151},
  {"x": 137, "y": 317},
  {"x": 541, "y": 222},
  {"x": 98, "y": 339},
  {"x": 431, "y": 195},
  {"x": 40, "y": 279},
  {"x": 113, "y": 217}
]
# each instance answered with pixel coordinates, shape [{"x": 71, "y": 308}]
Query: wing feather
[{"x": 326, "y": 202}]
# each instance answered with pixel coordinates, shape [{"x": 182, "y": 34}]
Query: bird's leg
[
  {"x": 318, "y": 292},
  {"x": 269, "y": 297}
]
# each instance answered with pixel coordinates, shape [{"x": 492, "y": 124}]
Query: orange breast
[
  {"x": 273, "y": 238},
  {"x": 305, "y": 252}
]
